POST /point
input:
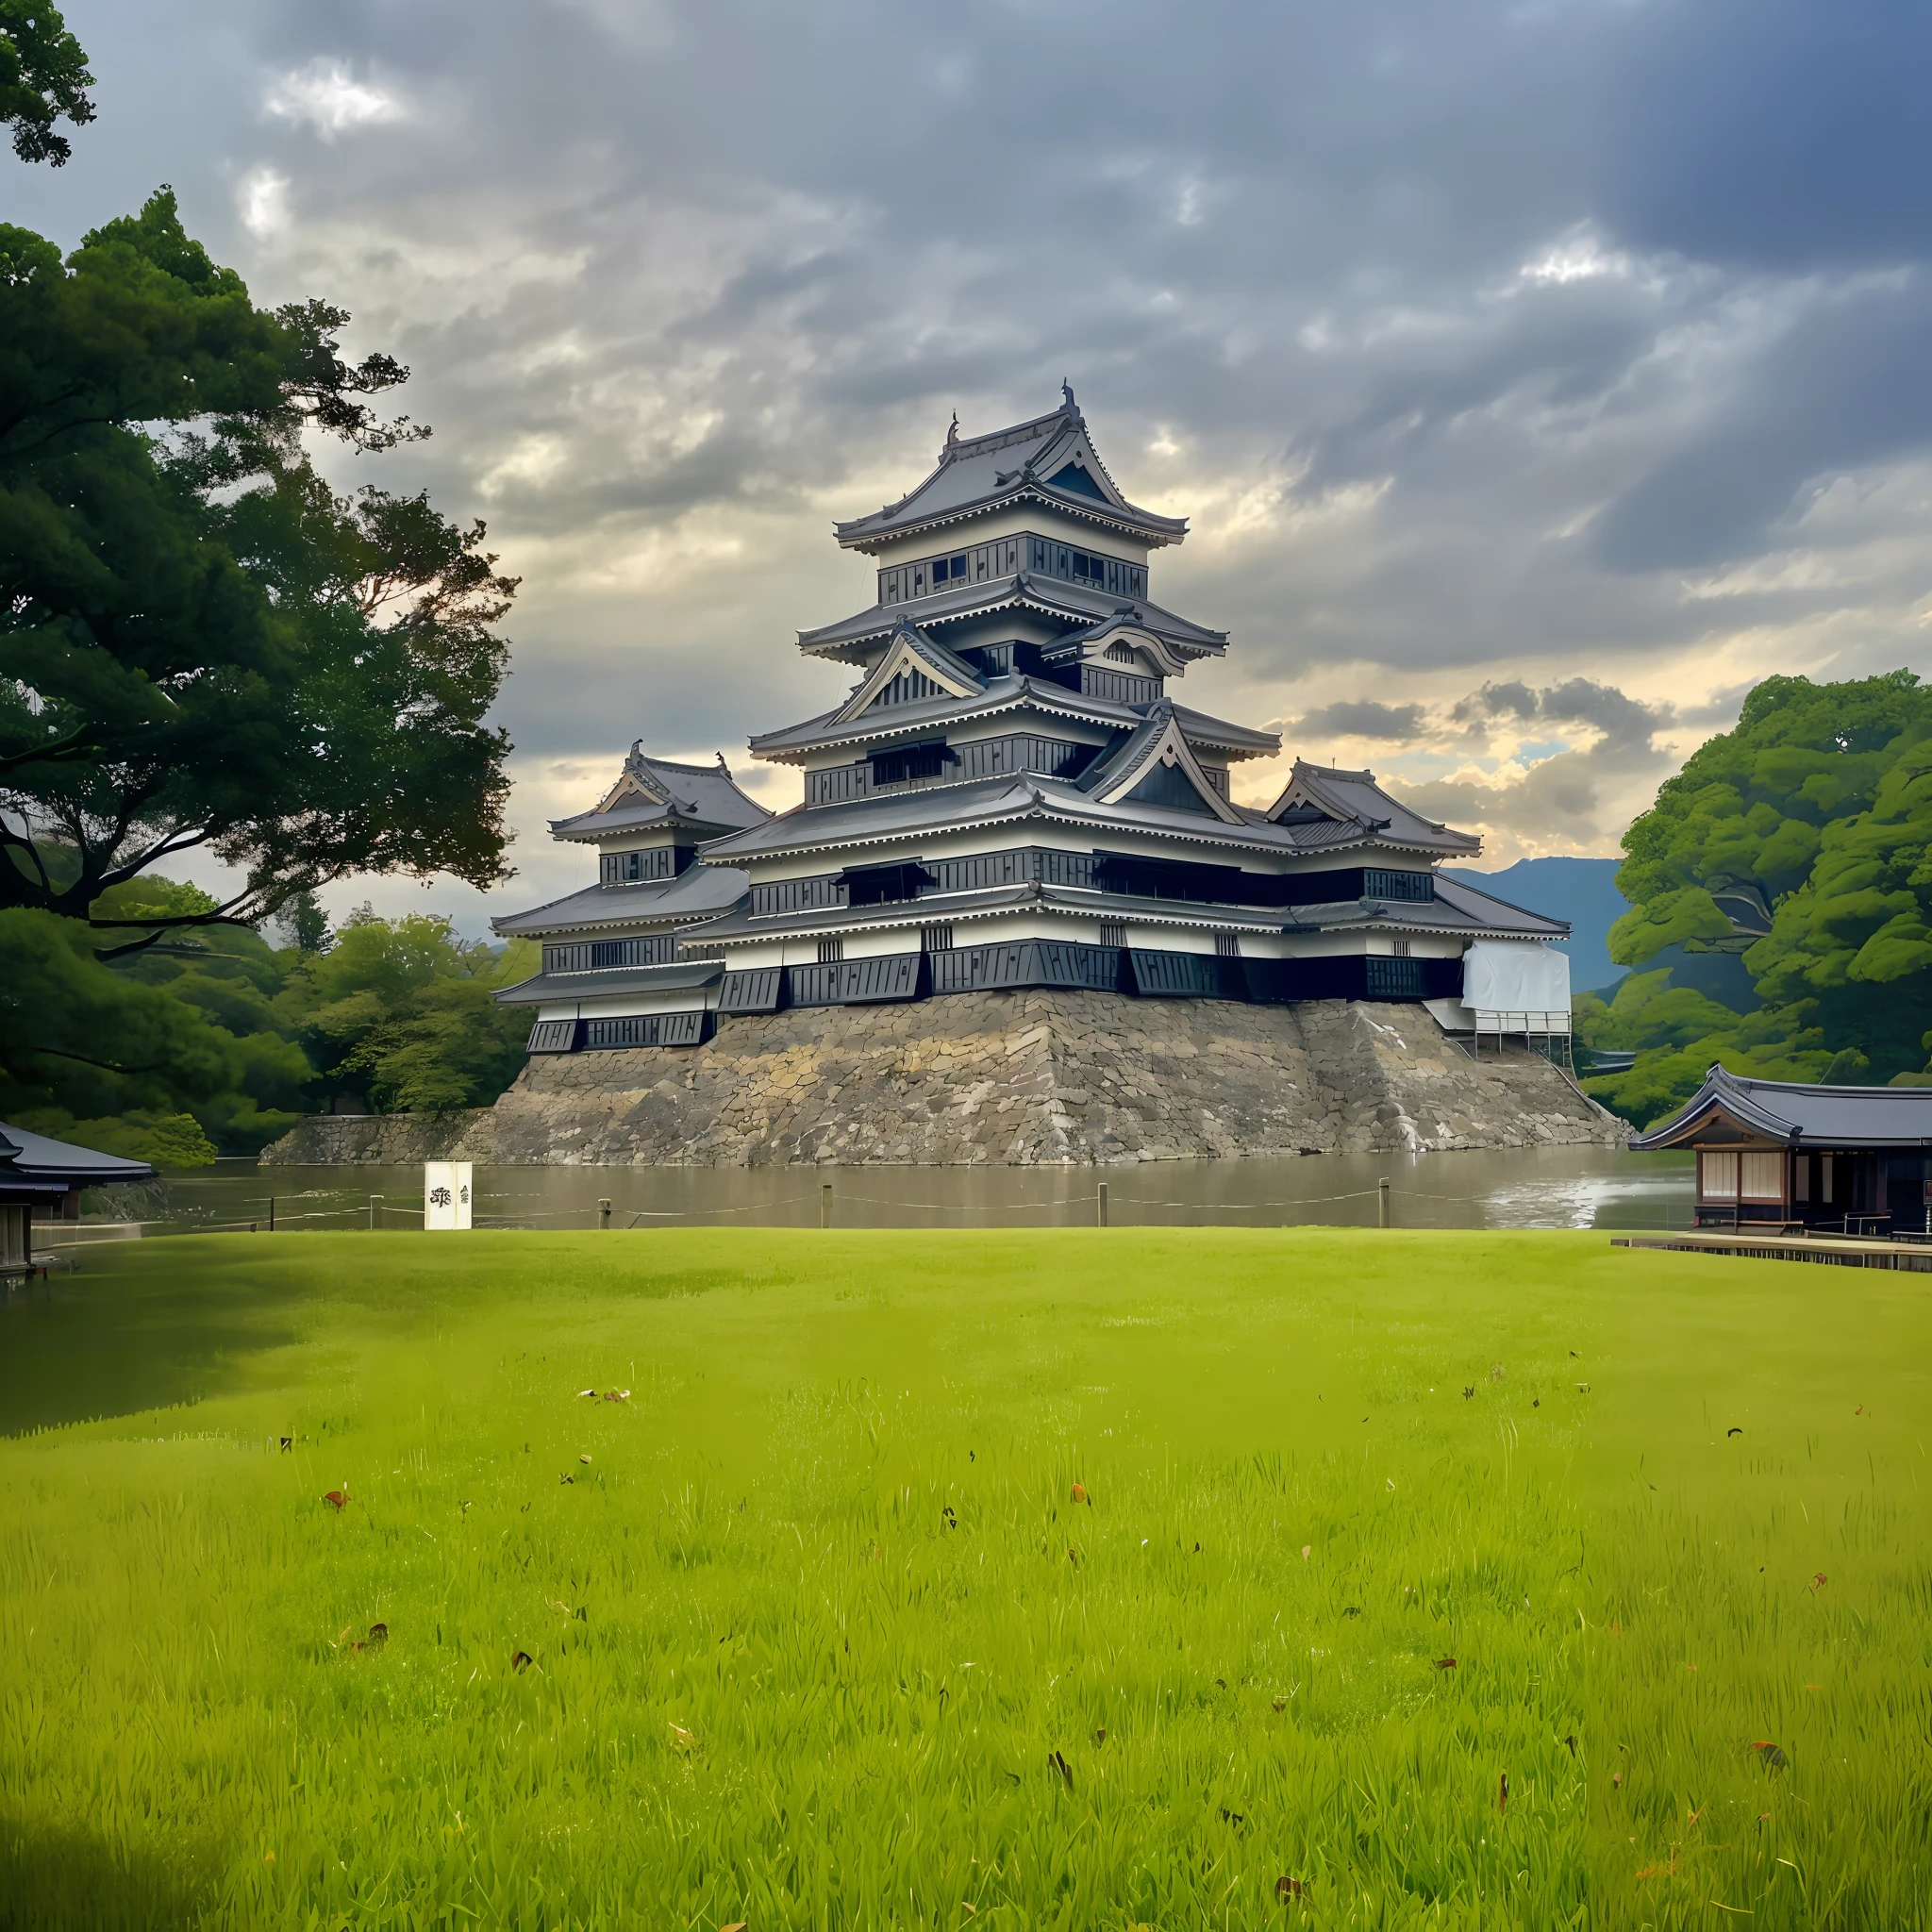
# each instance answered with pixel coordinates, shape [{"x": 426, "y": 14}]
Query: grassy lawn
[{"x": 819, "y": 1632}]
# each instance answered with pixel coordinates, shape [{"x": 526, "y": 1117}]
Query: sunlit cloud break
[{"x": 328, "y": 98}]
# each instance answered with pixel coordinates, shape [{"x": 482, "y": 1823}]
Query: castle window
[
  {"x": 1402, "y": 949},
  {"x": 1113, "y": 932},
  {"x": 831, "y": 951},
  {"x": 934, "y": 939},
  {"x": 1227, "y": 945}
]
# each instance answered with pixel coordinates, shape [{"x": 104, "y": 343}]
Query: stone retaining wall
[{"x": 1001, "y": 1078}]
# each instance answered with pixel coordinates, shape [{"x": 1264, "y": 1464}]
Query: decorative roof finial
[
  {"x": 953, "y": 430},
  {"x": 1073, "y": 407}
]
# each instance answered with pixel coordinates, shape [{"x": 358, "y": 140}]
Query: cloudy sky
[{"x": 1537, "y": 376}]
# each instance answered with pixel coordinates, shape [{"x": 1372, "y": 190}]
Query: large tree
[
  {"x": 1801, "y": 841},
  {"x": 203, "y": 644}
]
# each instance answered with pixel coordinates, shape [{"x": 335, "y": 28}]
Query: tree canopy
[
  {"x": 1801, "y": 841},
  {"x": 203, "y": 644},
  {"x": 217, "y": 1039},
  {"x": 43, "y": 76}
]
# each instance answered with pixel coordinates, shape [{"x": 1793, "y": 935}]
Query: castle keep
[{"x": 1011, "y": 797}]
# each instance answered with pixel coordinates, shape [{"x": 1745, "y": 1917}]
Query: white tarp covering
[
  {"x": 446, "y": 1193},
  {"x": 1517, "y": 980}
]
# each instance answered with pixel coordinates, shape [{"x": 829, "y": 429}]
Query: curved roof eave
[{"x": 864, "y": 533}]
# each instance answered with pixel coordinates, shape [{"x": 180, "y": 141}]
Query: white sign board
[{"x": 446, "y": 1191}]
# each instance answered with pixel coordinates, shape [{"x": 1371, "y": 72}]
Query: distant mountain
[{"x": 1583, "y": 891}]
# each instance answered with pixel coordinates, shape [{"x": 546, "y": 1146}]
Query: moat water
[{"x": 1555, "y": 1186}]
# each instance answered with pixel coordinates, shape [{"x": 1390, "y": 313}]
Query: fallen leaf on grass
[
  {"x": 1617, "y": 1779},
  {"x": 1100, "y": 1736},
  {"x": 1664, "y": 1871},
  {"x": 1306, "y": 1548},
  {"x": 520, "y": 1661},
  {"x": 582, "y": 1393},
  {"x": 1286, "y": 1887},
  {"x": 1074, "y": 1558},
  {"x": 1445, "y": 1663},
  {"x": 1819, "y": 1581},
  {"x": 1769, "y": 1755},
  {"x": 336, "y": 1498},
  {"x": 617, "y": 1395},
  {"x": 1503, "y": 1792},
  {"x": 683, "y": 1736},
  {"x": 583, "y": 1458},
  {"x": 378, "y": 1633},
  {"x": 736, "y": 1926},
  {"x": 1060, "y": 1764},
  {"x": 1080, "y": 1494}
]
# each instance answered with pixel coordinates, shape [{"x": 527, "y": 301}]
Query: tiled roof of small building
[{"x": 1801, "y": 1115}]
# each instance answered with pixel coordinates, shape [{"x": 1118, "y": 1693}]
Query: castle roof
[
  {"x": 1319, "y": 792},
  {"x": 1012, "y": 692},
  {"x": 1055, "y": 597},
  {"x": 1048, "y": 460},
  {"x": 699, "y": 892},
  {"x": 892, "y": 818},
  {"x": 650, "y": 793}
]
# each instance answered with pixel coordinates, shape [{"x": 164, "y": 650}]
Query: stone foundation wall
[{"x": 1004, "y": 1078}]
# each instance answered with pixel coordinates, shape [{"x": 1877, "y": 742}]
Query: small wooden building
[
  {"x": 1779, "y": 1155},
  {"x": 47, "y": 1176}
]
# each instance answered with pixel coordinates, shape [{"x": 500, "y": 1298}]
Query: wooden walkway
[{"x": 1836, "y": 1251}]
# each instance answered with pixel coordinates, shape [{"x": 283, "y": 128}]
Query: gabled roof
[
  {"x": 1159, "y": 746},
  {"x": 1010, "y": 692},
  {"x": 699, "y": 892},
  {"x": 1072, "y": 604},
  {"x": 984, "y": 802},
  {"x": 1049, "y": 459},
  {"x": 702, "y": 799},
  {"x": 912, "y": 651},
  {"x": 1314, "y": 793},
  {"x": 1798, "y": 1115}
]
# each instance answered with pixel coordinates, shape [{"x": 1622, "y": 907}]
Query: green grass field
[{"x": 819, "y": 1634}]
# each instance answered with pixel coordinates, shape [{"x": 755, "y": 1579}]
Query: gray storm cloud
[{"x": 1460, "y": 330}]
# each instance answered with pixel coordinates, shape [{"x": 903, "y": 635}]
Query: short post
[
  {"x": 1382, "y": 1202},
  {"x": 1099, "y": 1208},
  {"x": 603, "y": 1214},
  {"x": 826, "y": 1205},
  {"x": 375, "y": 1211},
  {"x": 270, "y": 1214}
]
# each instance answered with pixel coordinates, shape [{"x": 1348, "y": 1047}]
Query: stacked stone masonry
[{"x": 1004, "y": 1079}]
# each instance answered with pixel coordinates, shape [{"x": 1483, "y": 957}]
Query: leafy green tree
[
  {"x": 42, "y": 76},
  {"x": 1801, "y": 842},
  {"x": 201, "y": 643},
  {"x": 404, "y": 1010},
  {"x": 82, "y": 1047}
]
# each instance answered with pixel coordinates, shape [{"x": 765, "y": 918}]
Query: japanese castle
[{"x": 1012, "y": 795}]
